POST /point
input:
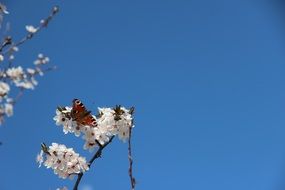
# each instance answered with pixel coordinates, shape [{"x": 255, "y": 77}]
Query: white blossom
[
  {"x": 4, "y": 89},
  {"x": 9, "y": 109},
  {"x": 31, "y": 71},
  {"x": 55, "y": 9},
  {"x": 40, "y": 158},
  {"x": 61, "y": 118},
  {"x": 106, "y": 120},
  {"x": 1, "y": 58},
  {"x": 15, "y": 73},
  {"x": 91, "y": 134},
  {"x": 20, "y": 78},
  {"x": 27, "y": 84},
  {"x": 64, "y": 161},
  {"x": 15, "y": 48},
  {"x": 116, "y": 124},
  {"x": 31, "y": 29},
  {"x": 41, "y": 60},
  {"x": 11, "y": 57},
  {"x": 102, "y": 135},
  {"x": 124, "y": 124}
]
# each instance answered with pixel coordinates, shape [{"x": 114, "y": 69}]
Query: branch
[
  {"x": 77, "y": 181},
  {"x": 7, "y": 41},
  {"x": 44, "y": 24},
  {"x": 96, "y": 155},
  {"x": 132, "y": 179}
]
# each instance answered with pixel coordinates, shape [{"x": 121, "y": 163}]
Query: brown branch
[
  {"x": 29, "y": 36},
  {"x": 96, "y": 155},
  {"x": 132, "y": 179},
  {"x": 77, "y": 181}
]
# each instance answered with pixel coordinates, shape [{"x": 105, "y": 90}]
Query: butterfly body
[{"x": 81, "y": 115}]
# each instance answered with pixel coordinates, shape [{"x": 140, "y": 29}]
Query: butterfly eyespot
[{"x": 77, "y": 102}]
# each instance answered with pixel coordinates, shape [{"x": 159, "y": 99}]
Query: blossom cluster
[
  {"x": 109, "y": 122},
  {"x": 15, "y": 76},
  {"x": 19, "y": 78},
  {"x": 95, "y": 130},
  {"x": 64, "y": 161}
]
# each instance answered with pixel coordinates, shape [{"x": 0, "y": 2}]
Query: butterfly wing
[
  {"x": 81, "y": 115},
  {"x": 78, "y": 109},
  {"x": 89, "y": 120}
]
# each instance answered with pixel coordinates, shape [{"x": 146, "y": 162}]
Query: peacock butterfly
[{"x": 81, "y": 115}]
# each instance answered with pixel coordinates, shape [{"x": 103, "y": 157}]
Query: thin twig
[
  {"x": 132, "y": 179},
  {"x": 29, "y": 36},
  {"x": 77, "y": 181},
  {"x": 7, "y": 41},
  {"x": 96, "y": 155}
]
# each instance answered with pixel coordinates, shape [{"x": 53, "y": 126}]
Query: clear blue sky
[{"x": 207, "y": 79}]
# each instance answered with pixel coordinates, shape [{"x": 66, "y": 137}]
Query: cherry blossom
[
  {"x": 64, "y": 161},
  {"x": 31, "y": 29},
  {"x": 41, "y": 60}
]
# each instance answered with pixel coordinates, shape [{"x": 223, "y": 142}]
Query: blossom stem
[
  {"x": 96, "y": 155},
  {"x": 132, "y": 179},
  {"x": 77, "y": 181}
]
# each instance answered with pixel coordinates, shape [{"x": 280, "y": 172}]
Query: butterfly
[{"x": 81, "y": 115}]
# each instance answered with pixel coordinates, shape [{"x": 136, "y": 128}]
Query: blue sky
[{"x": 206, "y": 78}]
